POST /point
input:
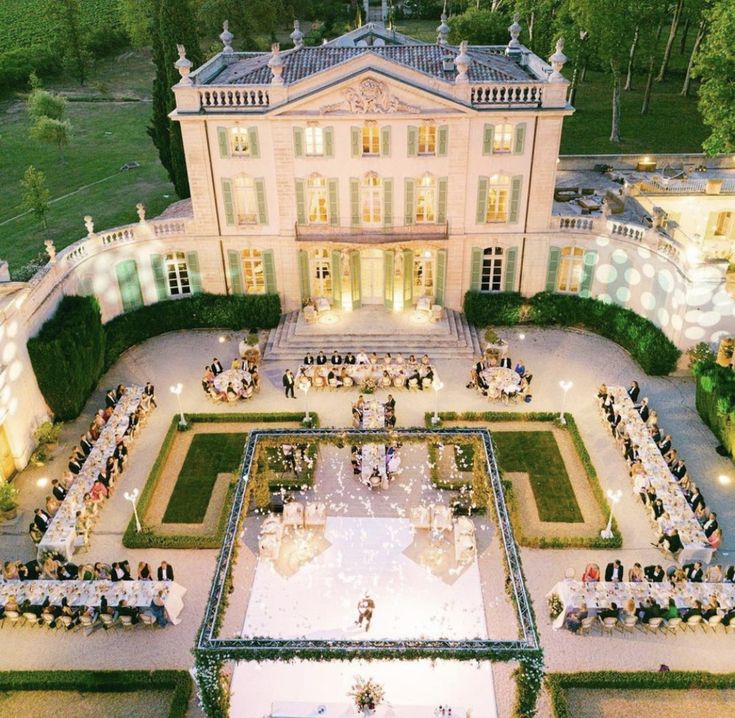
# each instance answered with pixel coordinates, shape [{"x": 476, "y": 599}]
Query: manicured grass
[
  {"x": 464, "y": 456},
  {"x": 537, "y": 454},
  {"x": 209, "y": 455},
  {"x": 424, "y": 30}
]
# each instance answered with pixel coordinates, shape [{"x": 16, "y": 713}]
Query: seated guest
[
  {"x": 216, "y": 367},
  {"x": 119, "y": 391},
  {"x": 231, "y": 392},
  {"x": 158, "y": 609},
  {"x": 120, "y": 455},
  {"x": 633, "y": 391},
  {"x": 591, "y": 573},
  {"x": 35, "y": 533},
  {"x": 144, "y": 572},
  {"x": 602, "y": 392},
  {"x": 671, "y": 458},
  {"x": 308, "y": 359},
  {"x": 664, "y": 445},
  {"x": 390, "y": 421},
  {"x": 85, "y": 444},
  {"x": 52, "y": 505},
  {"x": 715, "y": 539},
  {"x": 75, "y": 465},
  {"x": 32, "y": 571},
  {"x": 50, "y": 570},
  {"x": 615, "y": 421},
  {"x": 58, "y": 490},
  {"x": 665, "y": 524},
  {"x": 506, "y": 363},
  {"x": 362, "y": 357},
  {"x": 236, "y": 364},
  {"x": 694, "y": 572},
  {"x": 671, "y": 541},
  {"x": 729, "y": 575},
  {"x": 650, "y": 609},
  {"x": 416, "y": 377},
  {"x": 412, "y": 363},
  {"x": 655, "y": 433},
  {"x": 643, "y": 410},
  {"x": 387, "y": 359},
  {"x": 696, "y": 499},
  {"x": 640, "y": 480},
  {"x": 714, "y": 574},
  {"x": 41, "y": 519},
  {"x": 710, "y": 525},
  {"x": 726, "y": 619},
  {"x": 118, "y": 573},
  {"x": 99, "y": 419},
  {"x": 650, "y": 495},
  {"x": 360, "y": 403},
  {"x": 655, "y": 574},
  {"x": 373, "y": 358},
  {"x": 149, "y": 396},
  {"x": 165, "y": 572},
  {"x": 657, "y": 508},
  {"x": 635, "y": 574},
  {"x": 390, "y": 403},
  {"x": 679, "y": 469},
  {"x": 336, "y": 358},
  {"x": 321, "y": 358},
  {"x": 520, "y": 368},
  {"x": 110, "y": 399},
  {"x": 425, "y": 360},
  {"x": 614, "y": 571},
  {"x": 696, "y": 610},
  {"x": 68, "y": 572},
  {"x": 103, "y": 571},
  {"x": 611, "y": 612},
  {"x": 124, "y": 610},
  {"x": 99, "y": 490},
  {"x": 574, "y": 618},
  {"x": 11, "y": 571},
  {"x": 671, "y": 611},
  {"x": 350, "y": 358},
  {"x": 701, "y": 514},
  {"x": 333, "y": 379}
]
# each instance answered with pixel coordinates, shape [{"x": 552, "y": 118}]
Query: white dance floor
[
  {"x": 412, "y": 689},
  {"x": 366, "y": 554}
]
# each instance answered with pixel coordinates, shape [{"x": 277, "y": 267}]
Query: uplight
[
  {"x": 42, "y": 482},
  {"x": 724, "y": 479}
]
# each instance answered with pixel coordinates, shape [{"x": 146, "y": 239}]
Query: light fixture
[
  {"x": 566, "y": 386},
  {"x": 132, "y": 498},
  {"x": 437, "y": 386},
  {"x": 42, "y": 482},
  {"x": 614, "y": 497},
  {"x": 724, "y": 479},
  {"x": 521, "y": 336},
  {"x": 176, "y": 390},
  {"x": 222, "y": 339}
]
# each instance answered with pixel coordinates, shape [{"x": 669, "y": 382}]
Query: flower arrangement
[
  {"x": 369, "y": 385},
  {"x": 367, "y": 694},
  {"x": 8, "y": 495},
  {"x": 555, "y": 606}
]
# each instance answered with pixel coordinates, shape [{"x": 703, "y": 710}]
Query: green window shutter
[
  {"x": 355, "y": 202},
  {"x": 442, "y": 185},
  {"x": 441, "y": 276},
  {"x": 588, "y": 272},
  {"x": 442, "y": 141},
  {"x": 409, "y": 199},
  {"x": 300, "y": 201},
  {"x": 520, "y": 139},
  {"x": 515, "y": 199},
  {"x": 552, "y": 269},
  {"x": 337, "y": 278},
  {"x": 269, "y": 271},
  {"x": 481, "y": 216},
  {"x": 195, "y": 276},
  {"x": 159, "y": 276},
  {"x": 355, "y": 278},
  {"x": 356, "y": 141},
  {"x": 304, "y": 275},
  {"x": 333, "y": 199},
  {"x": 228, "y": 201},
  {"x": 298, "y": 141},
  {"x": 488, "y": 132},
  {"x": 385, "y": 141},
  {"x": 476, "y": 269},
  {"x": 407, "y": 277},
  {"x": 413, "y": 141},
  {"x": 389, "y": 276},
  {"x": 388, "y": 202},
  {"x": 509, "y": 282},
  {"x": 223, "y": 138},
  {"x": 129, "y": 284},
  {"x": 329, "y": 142},
  {"x": 234, "y": 271},
  {"x": 254, "y": 143},
  {"x": 262, "y": 206}
]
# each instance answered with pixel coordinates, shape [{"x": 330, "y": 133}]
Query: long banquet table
[
  {"x": 601, "y": 594},
  {"x": 301, "y": 709},
  {"x": 373, "y": 414},
  {"x": 373, "y": 456},
  {"x": 60, "y": 537},
  {"x": 696, "y": 547},
  {"x": 398, "y": 373},
  {"x": 89, "y": 593}
]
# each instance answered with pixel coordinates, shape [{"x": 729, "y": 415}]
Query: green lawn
[
  {"x": 424, "y": 30},
  {"x": 209, "y": 455},
  {"x": 464, "y": 456},
  {"x": 537, "y": 454}
]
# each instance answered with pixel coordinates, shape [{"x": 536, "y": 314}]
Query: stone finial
[
  {"x": 557, "y": 61},
  {"x": 442, "y": 32},
  {"x": 50, "y": 250},
  {"x": 183, "y": 65},
  {"x": 89, "y": 224},
  {"x": 514, "y": 46},
  {"x": 226, "y": 37},
  {"x": 276, "y": 64},
  {"x": 297, "y": 36},
  {"x": 462, "y": 62},
  {"x": 140, "y": 209}
]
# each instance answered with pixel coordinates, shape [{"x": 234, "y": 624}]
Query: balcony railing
[
  {"x": 496, "y": 94},
  {"x": 213, "y": 98},
  {"x": 691, "y": 185},
  {"x": 367, "y": 235}
]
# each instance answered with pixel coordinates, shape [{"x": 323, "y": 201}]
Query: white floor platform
[
  {"x": 366, "y": 554},
  {"x": 412, "y": 689}
]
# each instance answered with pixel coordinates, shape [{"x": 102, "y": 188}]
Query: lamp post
[
  {"x": 437, "y": 386},
  {"x": 305, "y": 386},
  {"x": 614, "y": 498},
  {"x": 566, "y": 386},
  {"x": 132, "y": 498},
  {"x": 176, "y": 390}
]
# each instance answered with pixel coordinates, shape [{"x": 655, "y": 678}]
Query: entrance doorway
[
  {"x": 371, "y": 276},
  {"x": 7, "y": 463}
]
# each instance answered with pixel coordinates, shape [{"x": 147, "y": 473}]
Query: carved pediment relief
[{"x": 370, "y": 96}]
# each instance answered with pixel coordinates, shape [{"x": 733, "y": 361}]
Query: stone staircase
[{"x": 452, "y": 338}]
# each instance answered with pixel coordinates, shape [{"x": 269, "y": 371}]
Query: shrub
[
  {"x": 498, "y": 308},
  {"x": 715, "y": 400},
  {"x": 16, "y": 66},
  {"x": 68, "y": 355},
  {"x": 199, "y": 311}
]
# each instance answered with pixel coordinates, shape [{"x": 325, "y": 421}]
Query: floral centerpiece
[
  {"x": 367, "y": 694},
  {"x": 555, "y": 606},
  {"x": 369, "y": 385}
]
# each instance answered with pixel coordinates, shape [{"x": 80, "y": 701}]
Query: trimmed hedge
[
  {"x": 646, "y": 343},
  {"x": 202, "y": 311},
  {"x": 715, "y": 400},
  {"x": 67, "y": 355},
  {"x": 104, "y": 682},
  {"x": 558, "y": 683}
]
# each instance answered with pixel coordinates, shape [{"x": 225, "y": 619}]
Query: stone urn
[{"x": 725, "y": 351}]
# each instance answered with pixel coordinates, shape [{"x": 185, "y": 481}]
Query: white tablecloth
[
  {"x": 297, "y": 709},
  {"x": 373, "y": 455},
  {"x": 373, "y": 415},
  {"x": 360, "y": 372},
  {"x": 236, "y": 377},
  {"x": 499, "y": 379},
  {"x": 89, "y": 593},
  {"x": 696, "y": 547},
  {"x": 601, "y": 594},
  {"x": 61, "y": 534}
]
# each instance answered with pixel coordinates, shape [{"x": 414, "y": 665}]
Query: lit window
[
  {"x": 240, "y": 142},
  {"x": 427, "y": 139},
  {"x": 498, "y": 192},
  {"x": 317, "y": 199},
  {"x": 491, "y": 279},
  {"x": 314, "y": 141},
  {"x": 570, "y": 269},
  {"x": 372, "y": 199},
  {"x": 423, "y": 274},
  {"x": 252, "y": 271},
  {"x": 426, "y": 200},
  {"x": 503, "y": 138},
  {"x": 321, "y": 273},
  {"x": 370, "y": 139},
  {"x": 246, "y": 201},
  {"x": 177, "y": 274},
  {"x": 724, "y": 224}
]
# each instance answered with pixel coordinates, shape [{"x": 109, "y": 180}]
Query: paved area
[{"x": 551, "y": 355}]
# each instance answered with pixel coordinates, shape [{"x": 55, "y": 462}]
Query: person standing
[
  {"x": 288, "y": 383},
  {"x": 365, "y": 608}
]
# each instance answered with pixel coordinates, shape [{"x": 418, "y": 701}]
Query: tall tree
[
  {"x": 77, "y": 57},
  {"x": 35, "y": 194},
  {"x": 247, "y": 19},
  {"x": 537, "y": 19},
  {"x": 652, "y": 13},
  {"x": 479, "y": 27},
  {"x": 171, "y": 26},
  {"x": 701, "y": 32},
  {"x": 631, "y": 59},
  {"x": 136, "y": 17},
  {"x": 676, "y": 10},
  {"x": 715, "y": 66},
  {"x": 52, "y": 132}
]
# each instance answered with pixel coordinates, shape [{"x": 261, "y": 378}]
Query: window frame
[
  {"x": 253, "y": 271},
  {"x": 236, "y": 145},
  {"x": 498, "y": 196},
  {"x": 176, "y": 272},
  {"x": 317, "y": 187},
  {"x": 241, "y": 186},
  {"x": 320, "y": 271},
  {"x": 314, "y": 141},
  {"x": 429, "y": 141},
  {"x": 423, "y": 191},
  {"x": 424, "y": 266},
  {"x": 370, "y": 138},
  {"x": 503, "y": 138},
  {"x": 491, "y": 270},
  {"x": 371, "y": 198},
  {"x": 571, "y": 270}
]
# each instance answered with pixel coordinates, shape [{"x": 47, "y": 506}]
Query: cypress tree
[{"x": 172, "y": 25}]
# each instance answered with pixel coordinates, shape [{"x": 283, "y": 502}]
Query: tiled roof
[{"x": 252, "y": 69}]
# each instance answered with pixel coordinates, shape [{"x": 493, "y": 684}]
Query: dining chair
[
  {"x": 674, "y": 625},
  {"x": 654, "y": 624},
  {"x": 586, "y": 625},
  {"x": 609, "y": 625},
  {"x": 13, "y": 617},
  {"x": 31, "y": 618},
  {"x": 713, "y": 622},
  {"x": 693, "y": 621},
  {"x": 630, "y": 623}
]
